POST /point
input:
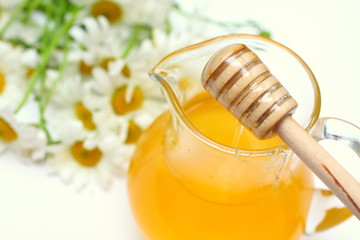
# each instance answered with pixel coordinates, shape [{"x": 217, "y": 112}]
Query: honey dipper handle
[{"x": 338, "y": 180}]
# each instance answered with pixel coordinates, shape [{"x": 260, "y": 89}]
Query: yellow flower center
[
  {"x": 2, "y": 82},
  {"x": 85, "y": 69},
  {"x": 7, "y": 133},
  {"x": 134, "y": 132},
  {"x": 121, "y": 106},
  {"x": 125, "y": 71},
  {"x": 112, "y": 11},
  {"x": 105, "y": 62},
  {"x": 30, "y": 72},
  {"x": 85, "y": 116},
  {"x": 85, "y": 157}
]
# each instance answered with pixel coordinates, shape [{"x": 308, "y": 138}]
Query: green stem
[
  {"x": 43, "y": 126},
  {"x": 42, "y": 87},
  {"x": 20, "y": 42},
  {"x": 44, "y": 44},
  {"x": 133, "y": 39},
  {"x": 60, "y": 74},
  {"x": 45, "y": 33},
  {"x": 30, "y": 8},
  {"x": 45, "y": 58},
  {"x": 14, "y": 16},
  {"x": 60, "y": 13}
]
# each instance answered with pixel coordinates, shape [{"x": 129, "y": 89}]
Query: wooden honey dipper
[{"x": 241, "y": 82}]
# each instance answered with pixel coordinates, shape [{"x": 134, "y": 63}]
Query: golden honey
[{"x": 167, "y": 209}]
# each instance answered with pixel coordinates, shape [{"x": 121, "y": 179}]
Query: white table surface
[{"x": 325, "y": 33}]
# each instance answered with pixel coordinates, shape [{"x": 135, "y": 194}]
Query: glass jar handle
[{"x": 326, "y": 210}]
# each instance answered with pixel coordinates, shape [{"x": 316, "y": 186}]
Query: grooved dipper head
[{"x": 241, "y": 82}]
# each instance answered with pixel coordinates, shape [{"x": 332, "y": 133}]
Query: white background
[{"x": 325, "y": 33}]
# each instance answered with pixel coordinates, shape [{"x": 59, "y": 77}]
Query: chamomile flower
[
  {"x": 88, "y": 151},
  {"x": 113, "y": 10},
  {"x": 132, "y": 11},
  {"x": 121, "y": 95},
  {"x": 68, "y": 102},
  {"x": 102, "y": 87},
  {"x": 92, "y": 47},
  {"x": 12, "y": 73},
  {"x": 138, "y": 81},
  {"x": 20, "y": 137},
  {"x": 86, "y": 159}
]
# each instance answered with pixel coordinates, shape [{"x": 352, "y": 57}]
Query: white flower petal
[
  {"x": 68, "y": 172},
  {"x": 104, "y": 24},
  {"x": 77, "y": 33},
  {"x": 102, "y": 83},
  {"x": 104, "y": 176},
  {"x": 81, "y": 178},
  {"x": 115, "y": 67}
]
